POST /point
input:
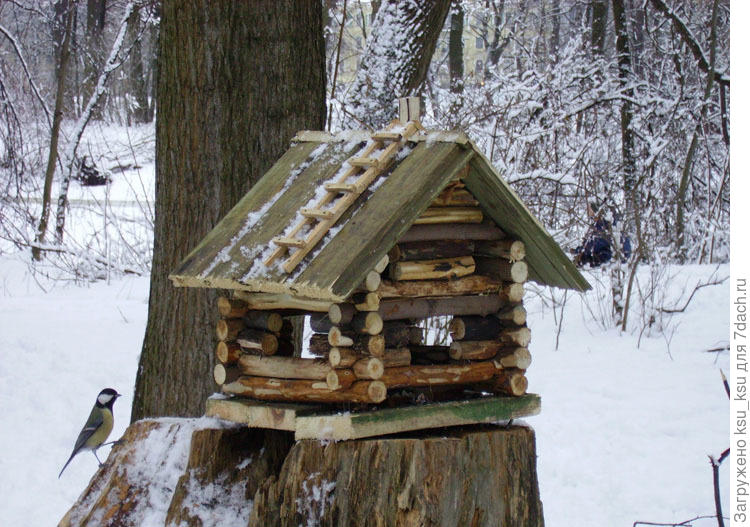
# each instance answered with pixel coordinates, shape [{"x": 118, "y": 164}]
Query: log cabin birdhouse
[{"x": 367, "y": 235}]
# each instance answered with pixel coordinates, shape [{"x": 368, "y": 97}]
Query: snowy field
[{"x": 624, "y": 432}]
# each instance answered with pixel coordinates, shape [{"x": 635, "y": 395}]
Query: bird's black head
[{"x": 107, "y": 398}]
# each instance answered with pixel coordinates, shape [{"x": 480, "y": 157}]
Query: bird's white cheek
[{"x": 104, "y": 398}]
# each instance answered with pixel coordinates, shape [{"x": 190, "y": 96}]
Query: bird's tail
[{"x": 66, "y": 464}]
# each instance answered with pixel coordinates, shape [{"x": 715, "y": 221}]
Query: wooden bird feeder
[{"x": 367, "y": 234}]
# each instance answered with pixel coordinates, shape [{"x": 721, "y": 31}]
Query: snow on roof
[{"x": 232, "y": 255}]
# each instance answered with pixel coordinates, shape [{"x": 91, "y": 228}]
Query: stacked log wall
[{"x": 452, "y": 262}]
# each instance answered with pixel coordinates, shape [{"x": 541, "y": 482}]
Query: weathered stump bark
[{"x": 471, "y": 476}]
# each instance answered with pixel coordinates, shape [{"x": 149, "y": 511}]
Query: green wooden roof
[{"x": 231, "y": 255}]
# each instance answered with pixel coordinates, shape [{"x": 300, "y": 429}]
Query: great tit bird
[{"x": 97, "y": 427}]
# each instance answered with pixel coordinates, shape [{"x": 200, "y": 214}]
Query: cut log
[
  {"x": 366, "y": 301},
  {"x": 513, "y": 315},
  {"x": 228, "y": 329},
  {"x": 512, "y": 293},
  {"x": 343, "y": 357},
  {"x": 346, "y": 358},
  {"x": 519, "y": 337},
  {"x": 337, "y": 338},
  {"x": 452, "y": 231},
  {"x": 438, "y": 375},
  {"x": 320, "y": 322},
  {"x": 449, "y": 215},
  {"x": 513, "y": 250},
  {"x": 381, "y": 265},
  {"x": 475, "y": 349},
  {"x": 432, "y": 269},
  {"x": 228, "y": 352},
  {"x": 399, "y": 333},
  {"x": 475, "y": 328},
  {"x": 368, "y": 368},
  {"x": 371, "y": 282},
  {"x": 367, "y": 344},
  {"x": 255, "y": 339},
  {"x": 311, "y": 391},
  {"x": 231, "y": 308},
  {"x": 226, "y": 374},
  {"x": 281, "y": 301},
  {"x": 341, "y": 314},
  {"x": 514, "y": 358},
  {"x": 393, "y": 358},
  {"x": 339, "y": 379},
  {"x": 283, "y": 367},
  {"x": 455, "y": 197},
  {"x": 510, "y": 381},
  {"x": 431, "y": 307},
  {"x": 504, "y": 270},
  {"x": 367, "y": 322},
  {"x": 468, "y": 285},
  {"x": 431, "y": 250},
  {"x": 265, "y": 320}
]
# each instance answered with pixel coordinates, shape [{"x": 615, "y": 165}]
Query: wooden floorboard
[{"x": 319, "y": 422}]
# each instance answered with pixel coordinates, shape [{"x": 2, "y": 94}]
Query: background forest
[{"x": 622, "y": 103}]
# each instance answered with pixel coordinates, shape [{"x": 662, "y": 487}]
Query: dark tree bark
[
  {"x": 236, "y": 81},
  {"x": 599, "y": 13},
  {"x": 456, "y": 47},
  {"x": 61, "y": 68},
  {"x": 137, "y": 86},
  {"x": 402, "y": 40},
  {"x": 96, "y": 14}
]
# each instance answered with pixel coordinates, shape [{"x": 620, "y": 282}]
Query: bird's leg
[{"x": 97, "y": 458}]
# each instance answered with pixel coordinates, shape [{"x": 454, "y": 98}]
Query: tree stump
[
  {"x": 470, "y": 476},
  {"x": 474, "y": 476}
]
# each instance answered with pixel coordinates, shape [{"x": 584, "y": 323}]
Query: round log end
[
  {"x": 457, "y": 328},
  {"x": 334, "y": 357},
  {"x": 376, "y": 345},
  {"x": 224, "y": 305},
  {"x": 332, "y": 380},
  {"x": 275, "y": 322},
  {"x": 269, "y": 344},
  {"x": 372, "y": 281},
  {"x": 523, "y": 358},
  {"x": 220, "y": 374},
  {"x": 222, "y": 330},
  {"x": 369, "y": 368},
  {"x": 519, "y": 272},
  {"x": 334, "y": 314},
  {"x": 514, "y": 292},
  {"x": 517, "y": 250},
  {"x": 373, "y": 323},
  {"x": 377, "y": 391},
  {"x": 454, "y": 352}
]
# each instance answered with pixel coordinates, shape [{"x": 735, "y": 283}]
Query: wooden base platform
[{"x": 319, "y": 422}]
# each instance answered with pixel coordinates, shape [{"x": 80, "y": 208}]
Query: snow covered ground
[{"x": 624, "y": 432}]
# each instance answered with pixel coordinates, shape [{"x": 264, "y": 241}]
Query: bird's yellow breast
[{"x": 101, "y": 435}]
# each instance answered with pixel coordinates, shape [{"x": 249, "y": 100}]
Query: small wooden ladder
[{"x": 369, "y": 166}]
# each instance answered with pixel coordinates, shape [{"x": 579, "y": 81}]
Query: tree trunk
[
  {"x": 221, "y": 124},
  {"x": 599, "y": 13},
  {"x": 479, "y": 476},
  {"x": 93, "y": 56},
  {"x": 456, "y": 55},
  {"x": 62, "y": 67},
  {"x": 402, "y": 40},
  {"x": 137, "y": 88}
]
